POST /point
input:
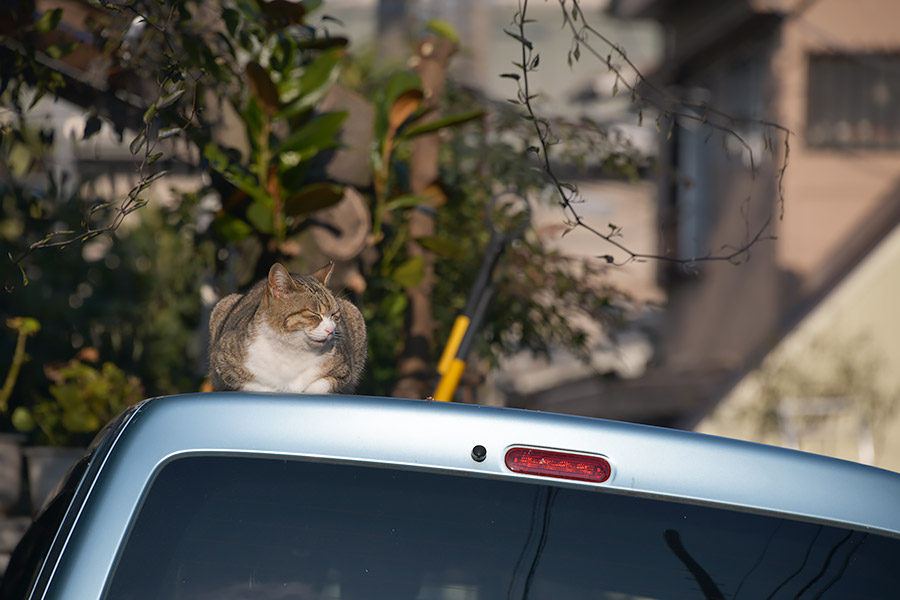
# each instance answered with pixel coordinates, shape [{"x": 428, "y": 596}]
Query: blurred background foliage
[{"x": 235, "y": 102}]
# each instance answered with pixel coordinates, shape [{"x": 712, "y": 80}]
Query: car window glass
[{"x": 253, "y": 528}]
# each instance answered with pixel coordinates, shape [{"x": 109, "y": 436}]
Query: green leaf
[
  {"x": 149, "y": 181},
  {"x": 262, "y": 88},
  {"x": 235, "y": 174},
  {"x": 307, "y": 90},
  {"x": 232, "y": 229},
  {"x": 22, "y": 419},
  {"x": 519, "y": 39},
  {"x": 410, "y": 273},
  {"x": 232, "y": 19},
  {"x": 442, "y": 246},
  {"x": 59, "y": 51},
  {"x": 393, "y": 305},
  {"x": 444, "y": 29},
  {"x": 399, "y": 83},
  {"x": 168, "y": 99},
  {"x": 405, "y": 201},
  {"x": 443, "y": 122},
  {"x": 149, "y": 113},
  {"x": 260, "y": 216},
  {"x": 48, "y": 21},
  {"x": 321, "y": 133},
  {"x": 313, "y": 197},
  {"x": 168, "y": 132},
  {"x": 137, "y": 142},
  {"x": 321, "y": 71}
]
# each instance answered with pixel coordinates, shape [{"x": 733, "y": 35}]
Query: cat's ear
[
  {"x": 324, "y": 274},
  {"x": 280, "y": 282}
]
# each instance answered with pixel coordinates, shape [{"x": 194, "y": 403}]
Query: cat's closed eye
[{"x": 301, "y": 319}]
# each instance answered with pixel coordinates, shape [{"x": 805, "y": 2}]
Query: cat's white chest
[{"x": 279, "y": 365}]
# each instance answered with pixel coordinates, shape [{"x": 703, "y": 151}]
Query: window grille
[{"x": 853, "y": 101}]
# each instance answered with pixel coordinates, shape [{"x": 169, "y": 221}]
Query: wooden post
[{"x": 414, "y": 369}]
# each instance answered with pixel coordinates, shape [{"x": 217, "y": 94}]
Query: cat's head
[{"x": 300, "y": 307}]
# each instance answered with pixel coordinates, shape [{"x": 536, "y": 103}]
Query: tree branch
[{"x": 670, "y": 108}]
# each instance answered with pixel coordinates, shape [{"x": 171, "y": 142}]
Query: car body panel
[{"x": 423, "y": 435}]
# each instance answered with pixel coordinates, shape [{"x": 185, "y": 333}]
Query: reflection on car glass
[{"x": 261, "y": 528}]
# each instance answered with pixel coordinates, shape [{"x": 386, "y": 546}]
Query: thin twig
[
  {"x": 132, "y": 201},
  {"x": 568, "y": 193}
]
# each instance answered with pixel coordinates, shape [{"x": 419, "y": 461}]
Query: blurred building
[{"x": 829, "y": 71}]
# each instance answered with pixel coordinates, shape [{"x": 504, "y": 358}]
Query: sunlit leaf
[
  {"x": 48, "y": 21},
  {"x": 306, "y": 91},
  {"x": 149, "y": 114},
  {"x": 399, "y": 83},
  {"x": 444, "y": 29},
  {"x": 168, "y": 99},
  {"x": 443, "y": 122},
  {"x": 410, "y": 273},
  {"x": 168, "y": 132},
  {"x": 23, "y": 420},
  {"x": 403, "y": 108},
  {"x": 321, "y": 133},
  {"x": 442, "y": 246},
  {"x": 260, "y": 216},
  {"x": 405, "y": 201}
]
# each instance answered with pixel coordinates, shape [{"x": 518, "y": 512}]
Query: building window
[{"x": 852, "y": 101}]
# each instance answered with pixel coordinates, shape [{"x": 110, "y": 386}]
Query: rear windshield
[{"x": 251, "y": 528}]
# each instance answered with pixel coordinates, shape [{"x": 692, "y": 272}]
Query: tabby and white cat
[{"x": 288, "y": 333}]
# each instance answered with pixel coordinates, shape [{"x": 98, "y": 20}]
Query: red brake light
[{"x": 563, "y": 465}]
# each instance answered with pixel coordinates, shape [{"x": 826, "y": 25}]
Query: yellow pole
[
  {"x": 450, "y": 380},
  {"x": 456, "y": 336}
]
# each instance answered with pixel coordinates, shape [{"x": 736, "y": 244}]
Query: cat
[{"x": 288, "y": 333}]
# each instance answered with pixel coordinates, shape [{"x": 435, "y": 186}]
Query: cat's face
[
  {"x": 301, "y": 309},
  {"x": 318, "y": 323}
]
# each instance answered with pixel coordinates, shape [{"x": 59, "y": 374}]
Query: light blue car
[{"x": 252, "y": 496}]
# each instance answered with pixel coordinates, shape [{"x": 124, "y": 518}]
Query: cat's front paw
[
  {"x": 256, "y": 386},
  {"x": 319, "y": 386}
]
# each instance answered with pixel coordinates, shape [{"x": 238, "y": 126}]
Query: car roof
[
  {"x": 425, "y": 435},
  {"x": 648, "y": 461}
]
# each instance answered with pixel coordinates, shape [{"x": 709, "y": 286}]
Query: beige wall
[
  {"x": 830, "y": 194},
  {"x": 859, "y": 322}
]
